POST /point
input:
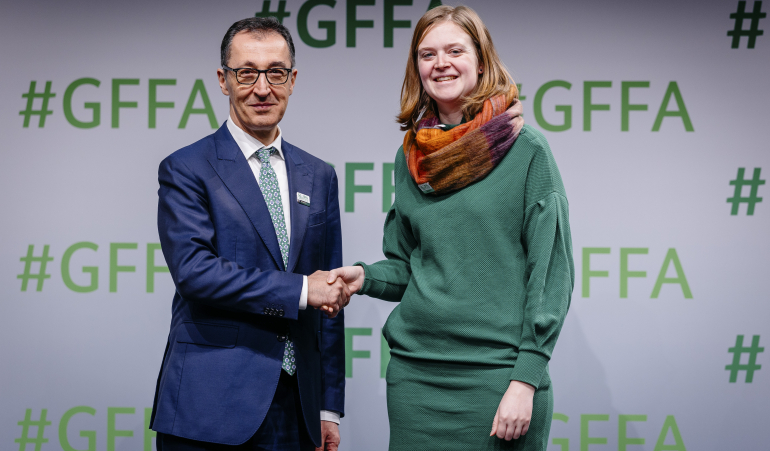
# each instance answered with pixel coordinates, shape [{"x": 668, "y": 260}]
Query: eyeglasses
[{"x": 249, "y": 76}]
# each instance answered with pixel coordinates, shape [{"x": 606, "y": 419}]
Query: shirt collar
[{"x": 249, "y": 144}]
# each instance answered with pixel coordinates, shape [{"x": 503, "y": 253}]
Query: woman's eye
[{"x": 426, "y": 55}]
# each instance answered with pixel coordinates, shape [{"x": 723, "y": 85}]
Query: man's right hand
[{"x": 329, "y": 297}]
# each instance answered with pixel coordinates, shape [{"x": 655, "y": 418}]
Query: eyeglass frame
[{"x": 259, "y": 73}]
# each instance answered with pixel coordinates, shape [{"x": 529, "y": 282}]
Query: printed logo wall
[{"x": 655, "y": 111}]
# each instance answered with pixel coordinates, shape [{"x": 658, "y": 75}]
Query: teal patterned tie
[{"x": 268, "y": 183}]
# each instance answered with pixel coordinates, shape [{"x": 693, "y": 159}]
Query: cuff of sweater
[
  {"x": 375, "y": 284},
  {"x": 367, "y": 285},
  {"x": 529, "y": 368}
]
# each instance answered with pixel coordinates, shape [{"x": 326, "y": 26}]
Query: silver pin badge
[
  {"x": 425, "y": 187},
  {"x": 304, "y": 199}
]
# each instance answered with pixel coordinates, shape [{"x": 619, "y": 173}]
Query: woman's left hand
[{"x": 514, "y": 412}]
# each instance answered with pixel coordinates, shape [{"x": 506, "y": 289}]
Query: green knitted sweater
[{"x": 484, "y": 275}]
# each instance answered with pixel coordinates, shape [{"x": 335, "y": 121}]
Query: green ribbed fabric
[{"x": 484, "y": 278}]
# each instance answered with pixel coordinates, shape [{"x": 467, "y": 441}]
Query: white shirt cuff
[
  {"x": 303, "y": 304},
  {"x": 330, "y": 415}
]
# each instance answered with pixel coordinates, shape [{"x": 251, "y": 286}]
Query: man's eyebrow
[{"x": 271, "y": 65}]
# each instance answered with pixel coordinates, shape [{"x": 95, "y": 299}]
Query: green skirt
[{"x": 444, "y": 406}]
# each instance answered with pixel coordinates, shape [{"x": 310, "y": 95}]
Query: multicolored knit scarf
[{"x": 444, "y": 161}]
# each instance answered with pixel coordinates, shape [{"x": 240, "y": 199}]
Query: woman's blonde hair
[{"x": 494, "y": 80}]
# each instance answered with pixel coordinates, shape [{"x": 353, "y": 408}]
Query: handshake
[{"x": 330, "y": 291}]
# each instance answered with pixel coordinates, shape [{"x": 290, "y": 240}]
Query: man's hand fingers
[
  {"x": 340, "y": 294},
  {"x": 330, "y": 312},
  {"x": 346, "y": 290},
  {"x": 330, "y": 435},
  {"x": 333, "y": 295}
]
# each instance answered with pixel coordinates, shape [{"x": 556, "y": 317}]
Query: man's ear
[
  {"x": 222, "y": 76},
  {"x": 293, "y": 79}
]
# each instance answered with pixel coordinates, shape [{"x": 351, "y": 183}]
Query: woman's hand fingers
[
  {"x": 494, "y": 424},
  {"x": 514, "y": 412},
  {"x": 511, "y": 431},
  {"x": 353, "y": 276}
]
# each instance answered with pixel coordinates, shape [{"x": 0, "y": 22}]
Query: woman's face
[{"x": 449, "y": 67}]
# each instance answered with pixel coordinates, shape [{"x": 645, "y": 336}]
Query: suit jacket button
[{"x": 281, "y": 338}]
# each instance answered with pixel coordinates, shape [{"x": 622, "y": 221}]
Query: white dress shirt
[{"x": 249, "y": 146}]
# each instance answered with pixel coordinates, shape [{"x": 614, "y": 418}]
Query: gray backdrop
[{"x": 651, "y": 109}]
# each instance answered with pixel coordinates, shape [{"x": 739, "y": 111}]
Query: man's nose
[{"x": 262, "y": 87}]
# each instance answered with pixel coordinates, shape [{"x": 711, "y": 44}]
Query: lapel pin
[{"x": 304, "y": 199}]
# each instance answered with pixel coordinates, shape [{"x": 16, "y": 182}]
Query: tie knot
[{"x": 264, "y": 154}]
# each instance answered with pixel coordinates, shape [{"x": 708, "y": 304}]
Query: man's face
[{"x": 257, "y": 108}]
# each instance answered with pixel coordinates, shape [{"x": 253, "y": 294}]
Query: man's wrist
[{"x": 303, "y": 294}]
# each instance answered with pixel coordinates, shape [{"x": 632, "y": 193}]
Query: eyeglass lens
[{"x": 274, "y": 76}]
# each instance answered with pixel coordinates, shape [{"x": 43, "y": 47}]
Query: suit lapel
[
  {"x": 300, "y": 181},
  {"x": 236, "y": 174}
]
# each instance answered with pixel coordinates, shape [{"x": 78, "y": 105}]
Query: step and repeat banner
[{"x": 657, "y": 114}]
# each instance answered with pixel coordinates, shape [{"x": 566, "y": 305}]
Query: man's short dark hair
[{"x": 259, "y": 26}]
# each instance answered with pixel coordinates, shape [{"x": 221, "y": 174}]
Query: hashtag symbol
[
  {"x": 25, "y": 424},
  {"x": 752, "y": 32},
  {"x": 739, "y": 183},
  {"x": 750, "y": 367},
  {"x": 41, "y": 275},
  {"x": 31, "y": 96},
  {"x": 280, "y": 14}
]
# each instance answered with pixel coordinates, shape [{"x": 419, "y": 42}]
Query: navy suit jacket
[{"x": 235, "y": 302}]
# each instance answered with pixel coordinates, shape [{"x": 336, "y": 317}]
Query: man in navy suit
[{"x": 248, "y": 224}]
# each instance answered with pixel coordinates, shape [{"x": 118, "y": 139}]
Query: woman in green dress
[{"x": 478, "y": 248}]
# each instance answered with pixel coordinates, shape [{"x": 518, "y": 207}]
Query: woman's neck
[{"x": 451, "y": 117}]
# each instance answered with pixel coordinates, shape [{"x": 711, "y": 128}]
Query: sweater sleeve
[
  {"x": 550, "y": 270},
  {"x": 388, "y": 279}
]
